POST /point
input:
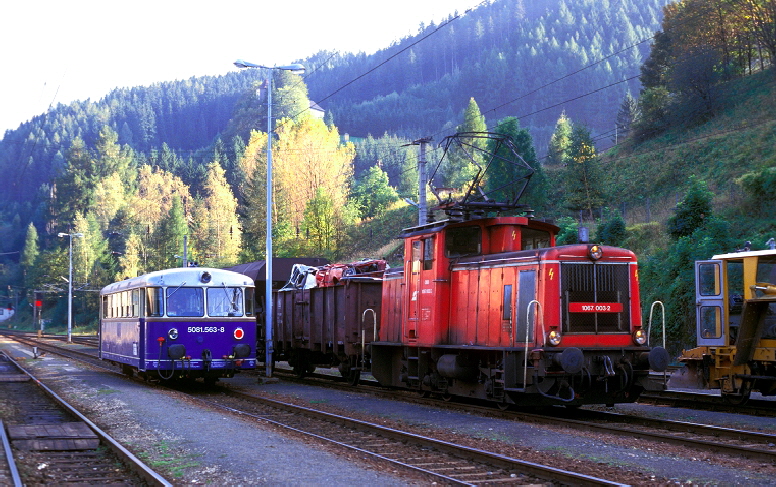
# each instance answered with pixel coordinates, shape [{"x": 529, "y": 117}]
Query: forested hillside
[
  {"x": 516, "y": 58},
  {"x": 613, "y": 119}
]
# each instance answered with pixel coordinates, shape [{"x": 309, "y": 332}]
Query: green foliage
[
  {"x": 569, "y": 231},
  {"x": 31, "y": 250},
  {"x": 501, "y": 173},
  {"x": 613, "y": 231},
  {"x": 582, "y": 177},
  {"x": 373, "y": 194},
  {"x": 668, "y": 276},
  {"x": 692, "y": 210},
  {"x": 560, "y": 141}
]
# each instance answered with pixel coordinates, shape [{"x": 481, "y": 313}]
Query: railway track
[
  {"x": 445, "y": 462},
  {"x": 696, "y": 436},
  {"x": 52, "y": 443},
  {"x": 708, "y": 402},
  {"x": 441, "y": 461}
]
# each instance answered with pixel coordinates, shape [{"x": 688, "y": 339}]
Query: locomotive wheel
[
  {"x": 447, "y": 397},
  {"x": 503, "y": 405}
]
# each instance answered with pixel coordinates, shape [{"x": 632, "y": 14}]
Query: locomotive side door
[
  {"x": 709, "y": 303},
  {"x": 412, "y": 273}
]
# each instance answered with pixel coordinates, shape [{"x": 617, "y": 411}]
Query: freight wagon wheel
[
  {"x": 300, "y": 370},
  {"x": 503, "y": 405},
  {"x": 354, "y": 377},
  {"x": 447, "y": 397}
]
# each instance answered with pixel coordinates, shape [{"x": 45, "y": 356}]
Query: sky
[{"x": 58, "y": 51}]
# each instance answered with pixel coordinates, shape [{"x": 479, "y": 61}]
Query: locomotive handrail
[
  {"x": 649, "y": 331},
  {"x": 527, "y": 328},
  {"x": 649, "y": 325}
]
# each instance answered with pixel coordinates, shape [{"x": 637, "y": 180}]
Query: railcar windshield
[
  {"x": 185, "y": 301},
  {"x": 225, "y": 301}
]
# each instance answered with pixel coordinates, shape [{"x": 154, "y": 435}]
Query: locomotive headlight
[
  {"x": 639, "y": 337},
  {"x": 595, "y": 252},
  {"x": 173, "y": 333},
  {"x": 239, "y": 333},
  {"x": 553, "y": 337}
]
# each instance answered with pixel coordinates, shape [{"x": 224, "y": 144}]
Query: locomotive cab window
[
  {"x": 225, "y": 301},
  {"x": 534, "y": 239},
  {"x": 428, "y": 253},
  {"x": 463, "y": 241}
]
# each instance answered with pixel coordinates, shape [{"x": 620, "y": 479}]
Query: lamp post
[
  {"x": 70, "y": 286},
  {"x": 296, "y": 69}
]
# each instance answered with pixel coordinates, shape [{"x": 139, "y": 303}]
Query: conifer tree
[
  {"x": 557, "y": 151},
  {"x": 30, "y": 252},
  {"x": 583, "y": 179}
]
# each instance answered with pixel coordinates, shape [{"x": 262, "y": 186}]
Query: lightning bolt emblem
[{"x": 551, "y": 273}]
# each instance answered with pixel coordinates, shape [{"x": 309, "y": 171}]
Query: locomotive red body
[
  {"x": 483, "y": 307},
  {"x": 491, "y": 309}
]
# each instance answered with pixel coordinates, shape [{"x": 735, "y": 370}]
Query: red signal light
[
  {"x": 239, "y": 333},
  {"x": 38, "y": 303}
]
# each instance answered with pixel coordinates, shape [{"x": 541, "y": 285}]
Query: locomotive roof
[
  {"x": 178, "y": 276},
  {"x": 504, "y": 220}
]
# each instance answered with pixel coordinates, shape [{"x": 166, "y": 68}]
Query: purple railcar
[{"x": 181, "y": 323}]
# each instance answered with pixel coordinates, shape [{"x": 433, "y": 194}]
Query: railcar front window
[
  {"x": 154, "y": 301},
  {"x": 225, "y": 301},
  {"x": 185, "y": 301}
]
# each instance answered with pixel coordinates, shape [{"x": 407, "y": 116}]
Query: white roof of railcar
[
  {"x": 741, "y": 255},
  {"x": 177, "y": 276}
]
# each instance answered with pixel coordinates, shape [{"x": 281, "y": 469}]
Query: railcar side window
[
  {"x": 249, "y": 301},
  {"x": 463, "y": 241},
  {"x": 185, "y": 301},
  {"x": 154, "y": 301},
  {"x": 225, "y": 301}
]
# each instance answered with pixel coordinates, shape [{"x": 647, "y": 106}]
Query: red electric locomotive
[
  {"x": 486, "y": 307},
  {"x": 491, "y": 309}
]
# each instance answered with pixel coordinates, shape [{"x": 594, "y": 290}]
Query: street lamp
[
  {"x": 70, "y": 286},
  {"x": 296, "y": 69}
]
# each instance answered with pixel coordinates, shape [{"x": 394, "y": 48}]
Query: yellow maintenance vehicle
[{"x": 735, "y": 325}]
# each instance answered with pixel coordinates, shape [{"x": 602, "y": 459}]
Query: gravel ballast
[{"x": 191, "y": 444}]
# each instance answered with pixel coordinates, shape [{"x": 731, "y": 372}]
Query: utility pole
[{"x": 422, "y": 180}]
